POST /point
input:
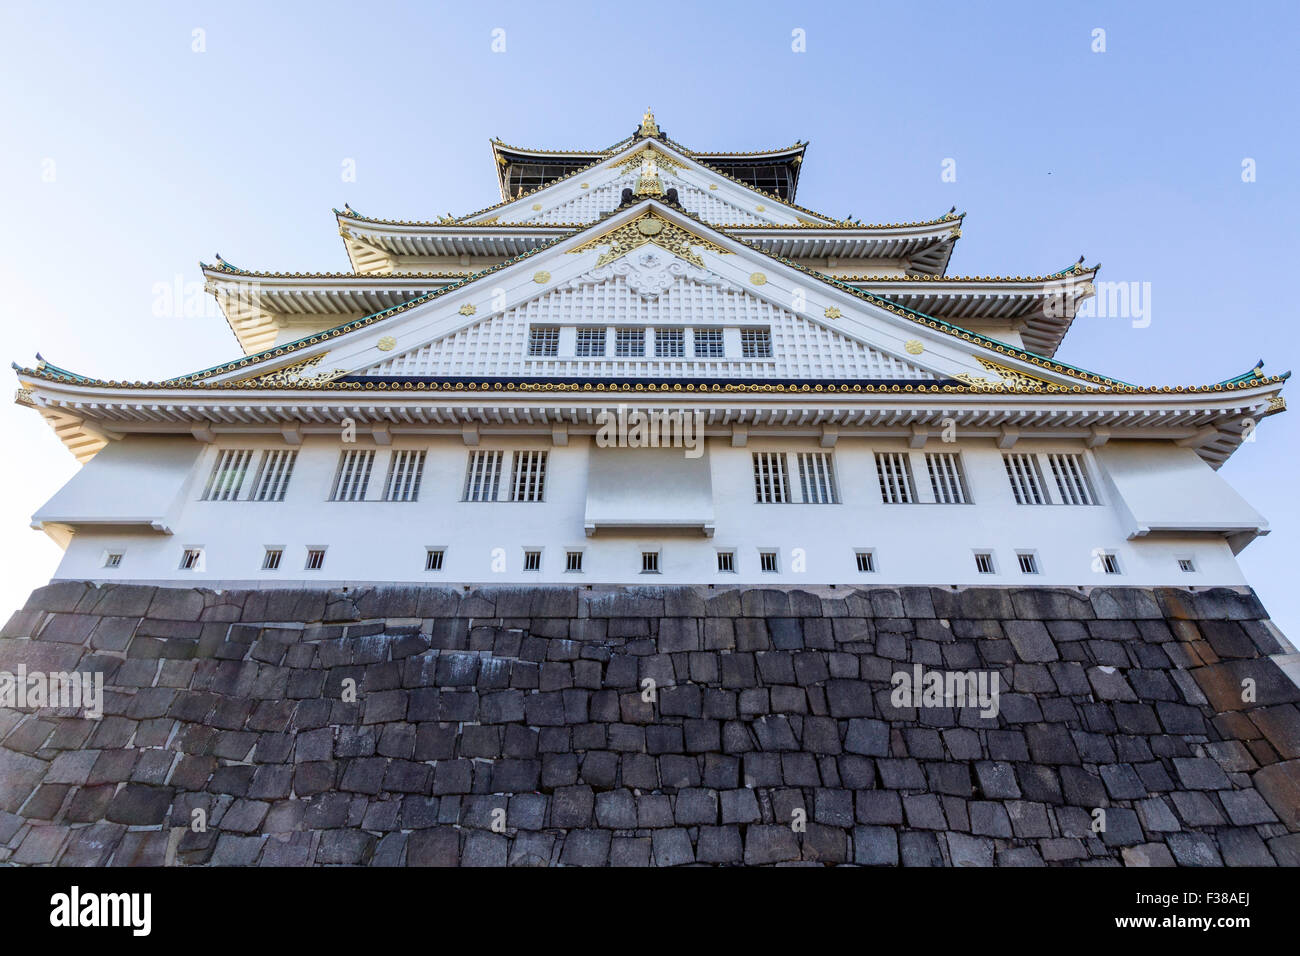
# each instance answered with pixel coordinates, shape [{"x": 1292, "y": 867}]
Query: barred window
[
  {"x": 532, "y": 560},
  {"x": 315, "y": 559},
  {"x": 1072, "y": 479},
  {"x": 1108, "y": 562},
  {"x": 192, "y": 559},
  {"x": 767, "y": 562},
  {"x": 727, "y": 561},
  {"x": 227, "y": 476},
  {"x": 817, "y": 478},
  {"x": 629, "y": 343},
  {"x": 543, "y": 340},
  {"x": 1028, "y": 562},
  {"x": 1025, "y": 477},
  {"x": 573, "y": 561},
  {"x": 649, "y": 562},
  {"x": 273, "y": 475},
  {"x": 590, "y": 342},
  {"x": 946, "y": 478},
  {"x": 483, "y": 476},
  {"x": 670, "y": 343},
  {"x": 894, "y": 470},
  {"x": 709, "y": 343},
  {"x": 529, "y": 482},
  {"x": 353, "y": 475},
  {"x": 771, "y": 482},
  {"x": 866, "y": 561},
  {"x": 405, "y": 469},
  {"x": 984, "y": 562},
  {"x": 271, "y": 559},
  {"x": 756, "y": 343},
  {"x": 113, "y": 559},
  {"x": 433, "y": 559},
  {"x": 1184, "y": 564}
]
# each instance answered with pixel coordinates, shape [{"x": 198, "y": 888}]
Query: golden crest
[
  {"x": 649, "y": 228},
  {"x": 468, "y": 309},
  {"x": 386, "y": 344},
  {"x": 536, "y": 206},
  {"x": 541, "y": 277},
  {"x": 760, "y": 208},
  {"x": 758, "y": 278},
  {"x": 832, "y": 312},
  {"x": 914, "y": 346}
]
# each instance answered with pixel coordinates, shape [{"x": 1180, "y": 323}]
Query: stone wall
[{"x": 508, "y": 726}]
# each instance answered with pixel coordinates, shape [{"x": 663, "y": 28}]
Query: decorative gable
[{"x": 672, "y": 307}]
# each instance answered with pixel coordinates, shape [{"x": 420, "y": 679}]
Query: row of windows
[
  {"x": 779, "y": 477},
  {"x": 590, "y": 342},
  {"x": 1105, "y": 562},
  {"x": 816, "y": 472}
]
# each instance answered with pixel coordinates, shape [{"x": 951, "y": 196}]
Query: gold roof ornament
[
  {"x": 648, "y": 127},
  {"x": 649, "y": 228},
  {"x": 648, "y": 184}
]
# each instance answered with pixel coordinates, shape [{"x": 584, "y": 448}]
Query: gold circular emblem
[
  {"x": 760, "y": 208},
  {"x": 832, "y": 312},
  {"x": 387, "y": 343},
  {"x": 713, "y": 186},
  {"x": 541, "y": 277},
  {"x": 585, "y": 185},
  {"x": 649, "y": 227},
  {"x": 758, "y": 278},
  {"x": 914, "y": 347},
  {"x": 468, "y": 309},
  {"x": 537, "y": 205}
]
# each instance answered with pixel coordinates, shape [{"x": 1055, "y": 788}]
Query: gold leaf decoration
[
  {"x": 468, "y": 309},
  {"x": 642, "y": 155},
  {"x": 296, "y": 375},
  {"x": 649, "y": 228},
  {"x": 832, "y": 312},
  {"x": 1008, "y": 379}
]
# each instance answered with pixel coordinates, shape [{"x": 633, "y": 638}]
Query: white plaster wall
[{"x": 370, "y": 541}]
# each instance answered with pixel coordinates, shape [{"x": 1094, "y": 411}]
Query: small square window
[
  {"x": 709, "y": 343},
  {"x": 727, "y": 562},
  {"x": 866, "y": 561},
  {"x": 629, "y": 343},
  {"x": 271, "y": 559},
  {"x": 649, "y": 562},
  {"x": 756, "y": 343},
  {"x": 590, "y": 342},
  {"x": 433, "y": 558},
  {"x": 984, "y": 562},
  {"x": 543, "y": 341},
  {"x": 1187, "y": 565},
  {"x": 670, "y": 343},
  {"x": 1108, "y": 562},
  {"x": 315, "y": 559},
  {"x": 767, "y": 562},
  {"x": 532, "y": 560},
  {"x": 113, "y": 559},
  {"x": 573, "y": 561},
  {"x": 1028, "y": 562},
  {"x": 192, "y": 559}
]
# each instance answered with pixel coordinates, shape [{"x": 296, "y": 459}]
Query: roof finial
[{"x": 648, "y": 127}]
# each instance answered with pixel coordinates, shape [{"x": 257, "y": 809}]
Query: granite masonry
[{"x": 650, "y": 726}]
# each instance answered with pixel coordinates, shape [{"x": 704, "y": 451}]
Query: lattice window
[
  {"x": 315, "y": 559},
  {"x": 670, "y": 343},
  {"x": 894, "y": 470},
  {"x": 271, "y": 559},
  {"x": 1025, "y": 477},
  {"x": 405, "y": 469},
  {"x": 629, "y": 342},
  {"x": 353, "y": 475},
  {"x": 1072, "y": 479},
  {"x": 227, "y": 476},
  {"x": 771, "y": 481},
  {"x": 649, "y": 562},
  {"x": 866, "y": 561},
  {"x": 590, "y": 342},
  {"x": 727, "y": 562},
  {"x": 433, "y": 558},
  {"x": 1028, "y": 562},
  {"x": 529, "y": 476},
  {"x": 483, "y": 475},
  {"x": 543, "y": 341},
  {"x": 817, "y": 478},
  {"x": 767, "y": 562},
  {"x": 947, "y": 478},
  {"x": 709, "y": 343},
  {"x": 984, "y": 562},
  {"x": 756, "y": 343},
  {"x": 273, "y": 474}
]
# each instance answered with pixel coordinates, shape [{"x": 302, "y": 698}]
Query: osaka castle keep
[{"x": 648, "y": 365}]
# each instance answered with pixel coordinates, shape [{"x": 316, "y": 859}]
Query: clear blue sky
[{"x": 162, "y": 156}]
